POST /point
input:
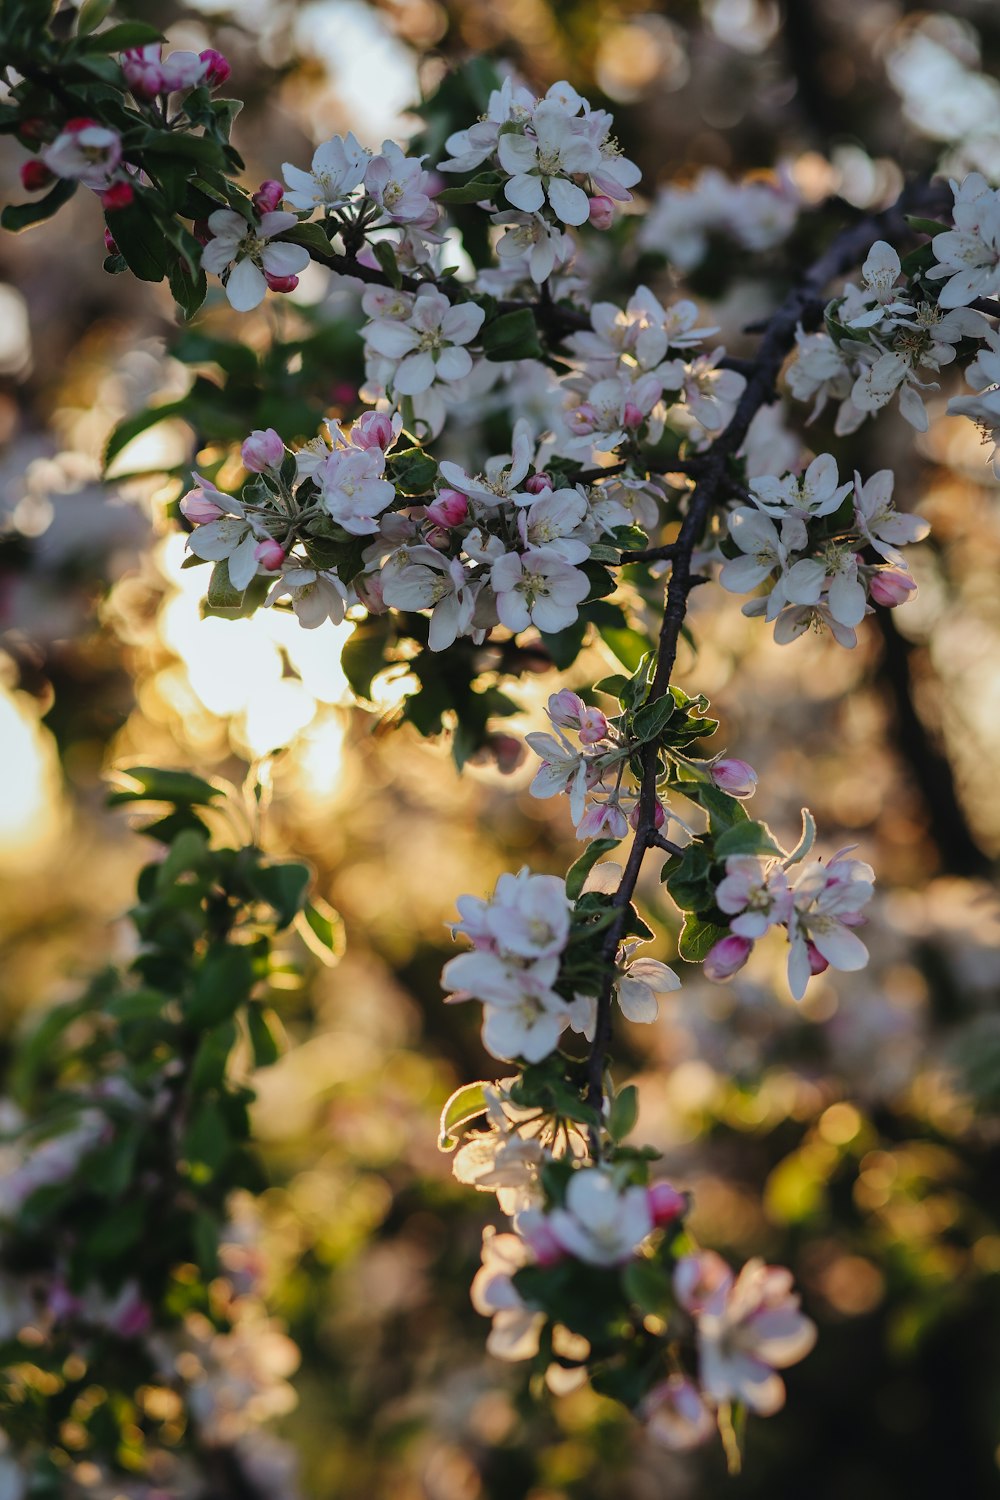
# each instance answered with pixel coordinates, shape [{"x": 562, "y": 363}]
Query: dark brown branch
[{"x": 804, "y": 304}]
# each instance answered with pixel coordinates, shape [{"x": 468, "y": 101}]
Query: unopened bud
[
  {"x": 737, "y": 777},
  {"x": 891, "y": 587},
  {"x": 582, "y": 419},
  {"x": 281, "y": 283},
  {"x": 817, "y": 963},
  {"x": 449, "y": 509},
  {"x": 109, "y": 243},
  {"x": 269, "y": 554},
  {"x": 602, "y": 212},
  {"x": 35, "y": 175},
  {"x": 201, "y": 231},
  {"x": 199, "y": 508},
  {"x": 369, "y": 591},
  {"x": 262, "y": 450},
  {"x": 217, "y": 68},
  {"x": 81, "y": 122},
  {"x": 373, "y": 429},
  {"x": 665, "y": 1203},
  {"x": 632, "y": 416},
  {"x": 118, "y": 195},
  {"x": 593, "y": 726},
  {"x": 659, "y": 816},
  {"x": 538, "y": 482},
  {"x": 727, "y": 957},
  {"x": 268, "y": 196},
  {"x": 541, "y": 1239}
]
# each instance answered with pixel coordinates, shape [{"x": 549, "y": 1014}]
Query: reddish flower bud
[
  {"x": 665, "y": 1203},
  {"x": 727, "y": 957},
  {"x": 267, "y": 198},
  {"x": 82, "y": 122},
  {"x": 817, "y": 963},
  {"x": 633, "y": 417},
  {"x": 118, "y": 195},
  {"x": 369, "y": 591},
  {"x": 269, "y": 554},
  {"x": 602, "y": 212},
  {"x": 34, "y": 129},
  {"x": 201, "y": 231},
  {"x": 547, "y": 1249},
  {"x": 659, "y": 817},
  {"x": 281, "y": 283},
  {"x": 891, "y": 586},
  {"x": 35, "y": 175},
  {"x": 109, "y": 243},
  {"x": 449, "y": 509},
  {"x": 373, "y": 429},
  {"x": 217, "y": 67},
  {"x": 538, "y": 482}
]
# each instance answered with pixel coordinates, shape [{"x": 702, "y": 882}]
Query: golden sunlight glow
[{"x": 30, "y": 796}]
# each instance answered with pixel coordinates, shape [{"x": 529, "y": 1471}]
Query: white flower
[
  {"x": 529, "y": 915},
  {"x": 601, "y": 1223},
  {"x": 399, "y": 185},
  {"x": 537, "y": 588},
  {"x": 523, "y": 1016},
  {"x": 338, "y": 166},
  {"x": 85, "y": 152},
  {"x": 818, "y": 492},
  {"x": 428, "y": 345},
  {"x": 240, "y": 251},
  {"x": 879, "y": 521},
  {"x": 827, "y": 904},
  {"x": 470, "y": 148},
  {"x": 798, "y": 618},
  {"x": 503, "y": 474},
  {"x": 516, "y": 1326},
  {"x": 764, "y": 547},
  {"x": 969, "y": 254},
  {"x": 754, "y": 895},
  {"x": 984, "y": 410},
  {"x": 711, "y": 393},
  {"x": 819, "y": 370},
  {"x": 233, "y": 538},
  {"x": 316, "y": 596},
  {"x": 542, "y": 163},
  {"x": 747, "y": 1328},
  {"x": 352, "y": 488},
  {"x": 529, "y": 235},
  {"x": 880, "y": 272},
  {"x": 424, "y": 579},
  {"x": 552, "y": 522},
  {"x": 639, "y": 982},
  {"x": 563, "y": 769}
]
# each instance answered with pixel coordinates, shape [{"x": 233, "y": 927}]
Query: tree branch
[{"x": 803, "y": 305}]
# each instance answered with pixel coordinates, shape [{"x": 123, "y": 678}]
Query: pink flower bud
[
  {"x": 201, "y": 231},
  {"x": 369, "y": 591},
  {"x": 132, "y": 1318},
  {"x": 373, "y": 429},
  {"x": 263, "y": 449},
  {"x": 538, "y": 482},
  {"x": 199, "y": 507},
  {"x": 817, "y": 963},
  {"x": 593, "y": 726},
  {"x": 109, "y": 243},
  {"x": 582, "y": 419},
  {"x": 891, "y": 586},
  {"x": 665, "y": 1203},
  {"x": 34, "y": 129},
  {"x": 736, "y": 777},
  {"x": 632, "y": 417},
  {"x": 449, "y": 509},
  {"x": 602, "y": 820},
  {"x": 281, "y": 283},
  {"x": 268, "y": 196},
  {"x": 217, "y": 68},
  {"x": 659, "y": 816},
  {"x": 566, "y": 709},
  {"x": 542, "y": 1241},
  {"x": 342, "y": 392},
  {"x": 35, "y": 175},
  {"x": 118, "y": 195},
  {"x": 143, "y": 71},
  {"x": 727, "y": 957},
  {"x": 269, "y": 554},
  {"x": 81, "y": 122},
  {"x": 602, "y": 212}
]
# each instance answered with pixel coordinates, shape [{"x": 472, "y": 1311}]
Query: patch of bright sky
[{"x": 374, "y": 74}]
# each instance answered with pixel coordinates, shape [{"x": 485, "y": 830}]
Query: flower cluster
[
  {"x": 880, "y": 337},
  {"x": 758, "y": 214},
  {"x": 805, "y": 538},
  {"x": 819, "y": 907}
]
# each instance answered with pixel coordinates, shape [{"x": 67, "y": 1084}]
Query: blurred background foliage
[{"x": 854, "y": 1137}]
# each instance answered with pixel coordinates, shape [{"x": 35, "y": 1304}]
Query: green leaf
[
  {"x": 139, "y": 235},
  {"x": 364, "y": 654},
  {"x": 466, "y": 1103},
  {"x": 649, "y": 721},
  {"x": 412, "y": 471},
  {"x": 724, "y": 812},
  {"x": 91, "y": 14},
  {"x": 209, "y": 1067},
  {"x": 477, "y": 190},
  {"x": 187, "y": 290},
  {"x": 205, "y": 1237},
  {"x": 614, "y": 685},
  {"x": 138, "y": 1005},
  {"x": 119, "y": 1229},
  {"x": 222, "y": 984},
  {"x": 688, "y": 879},
  {"x": 207, "y": 1142},
  {"x": 807, "y": 840},
  {"x": 624, "y": 1112},
  {"x": 577, "y": 874},
  {"x": 284, "y": 885},
  {"x": 698, "y": 938},
  {"x": 927, "y": 226},
  {"x": 647, "y": 1286},
  {"x": 154, "y": 784},
  {"x": 221, "y": 593},
  {"x": 19, "y": 216},
  {"x": 322, "y": 930},
  {"x": 386, "y": 257},
  {"x": 746, "y": 838},
  {"x": 262, "y": 1026},
  {"x": 311, "y": 237},
  {"x": 118, "y": 38},
  {"x": 133, "y": 427},
  {"x": 513, "y": 335}
]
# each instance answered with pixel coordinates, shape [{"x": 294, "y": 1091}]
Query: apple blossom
[
  {"x": 878, "y": 520},
  {"x": 398, "y": 184},
  {"x": 737, "y": 777},
  {"x": 675, "y": 1415},
  {"x": 827, "y": 904},
  {"x": 537, "y": 588},
  {"x": 217, "y": 67},
  {"x": 541, "y": 164},
  {"x": 338, "y": 167},
  {"x": 86, "y": 152},
  {"x": 353, "y": 489},
  {"x": 262, "y": 450},
  {"x": 969, "y": 255},
  {"x": 516, "y": 1326},
  {"x": 727, "y": 957},
  {"x": 35, "y": 175},
  {"x": 601, "y": 1223},
  {"x": 316, "y": 596},
  {"x": 242, "y": 254}
]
